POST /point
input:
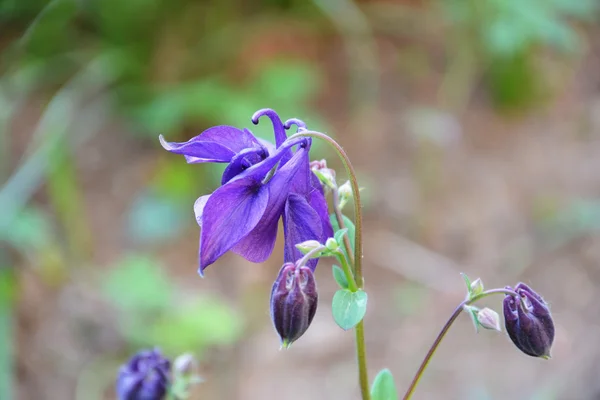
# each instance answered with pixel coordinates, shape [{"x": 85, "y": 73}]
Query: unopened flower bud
[
  {"x": 309, "y": 245},
  {"x": 185, "y": 364},
  {"x": 332, "y": 244},
  {"x": 326, "y": 175},
  {"x": 345, "y": 193},
  {"x": 146, "y": 376},
  {"x": 293, "y": 302},
  {"x": 489, "y": 319},
  {"x": 528, "y": 322},
  {"x": 476, "y": 287}
]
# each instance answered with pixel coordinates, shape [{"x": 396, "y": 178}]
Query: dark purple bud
[
  {"x": 293, "y": 302},
  {"x": 528, "y": 322},
  {"x": 146, "y": 376}
]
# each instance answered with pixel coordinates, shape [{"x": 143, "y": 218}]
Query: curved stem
[
  {"x": 445, "y": 330},
  {"x": 357, "y": 204},
  {"x": 340, "y": 220},
  {"x": 301, "y": 262},
  {"x": 358, "y": 276},
  {"x": 347, "y": 271}
]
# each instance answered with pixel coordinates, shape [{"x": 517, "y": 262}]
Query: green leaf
[
  {"x": 340, "y": 277},
  {"x": 472, "y": 311},
  {"x": 339, "y": 236},
  {"x": 348, "y": 225},
  {"x": 467, "y": 281},
  {"x": 348, "y": 307},
  {"x": 384, "y": 387}
]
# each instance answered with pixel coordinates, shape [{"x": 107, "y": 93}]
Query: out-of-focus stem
[{"x": 411, "y": 389}]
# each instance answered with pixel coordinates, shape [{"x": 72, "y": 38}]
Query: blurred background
[{"x": 475, "y": 129}]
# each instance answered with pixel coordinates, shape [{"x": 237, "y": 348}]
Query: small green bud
[
  {"x": 476, "y": 287},
  {"x": 310, "y": 245},
  {"x": 345, "y": 194},
  {"x": 326, "y": 175},
  {"x": 332, "y": 245}
]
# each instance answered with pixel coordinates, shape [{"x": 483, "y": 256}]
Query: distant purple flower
[
  {"x": 146, "y": 376},
  {"x": 261, "y": 184}
]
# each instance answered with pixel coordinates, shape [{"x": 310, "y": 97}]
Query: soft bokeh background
[{"x": 475, "y": 128}]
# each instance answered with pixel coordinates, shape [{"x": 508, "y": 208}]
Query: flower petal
[
  {"x": 199, "y": 208},
  {"x": 260, "y": 170},
  {"x": 258, "y": 245},
  {"x": 216, "y": 144},
  {"x": 318, "y": 202},
  {"x": 300, "y": 223},
  {"x": 278, "y": 130},
  {"x": 230, "y": 213},
  {"x": 307, "y": 185},
  {"x": 242, "y": 161}
]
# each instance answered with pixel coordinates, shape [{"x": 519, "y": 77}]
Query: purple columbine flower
[
  {"x": 261, "y": 184},
  {"x": 146, "y": 376}
]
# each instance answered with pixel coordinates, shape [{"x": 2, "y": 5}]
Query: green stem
[
  {"x": 347, "y": 271},
  {"x": 355, "y": 190},
  {"x": 361, "y": 354},
  {"x": 309, "y": 255},
  {"x": 340, "y": 220},
  {"x": 358, "y": 276},
  {"x": 445, "y": 329}
]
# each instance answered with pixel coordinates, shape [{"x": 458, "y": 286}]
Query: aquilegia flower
[
  {"x": 146, "y": 376},
  {"x": 261, "y": 184},
  {"x": 528, "y": 322}
]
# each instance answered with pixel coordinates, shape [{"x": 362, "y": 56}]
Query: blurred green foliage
[
  {"x": 509, "y": 35},
  {"x": 152, "y": 311},
  {"x": 157, "y": 67},
  {"x": 173, "y": 67}
]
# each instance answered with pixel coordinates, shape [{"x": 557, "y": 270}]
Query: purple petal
[
  {"x": 216, "y": 144},
  {"x": 295, "y": 121},
  {"x": 318, "y": 202},
  {"x": 199, "y": 208},
  {"x": 267, "y": 145},
  {"x": 258, "y": 245},
  {"x": 230, "y": 213},
  {"x": 301, "y": 184},
  {"x": 260, "y": 170},
  {"x": 278, "y": 129},
  {"x": 300, "y": 223},
  {"x": 307, "y": 185},
  {"x": 242, "y": 161}
]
